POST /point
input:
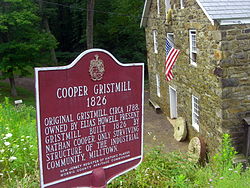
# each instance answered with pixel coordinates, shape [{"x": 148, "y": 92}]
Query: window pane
[
  {"x": 182, "y": 3},
  {"x": 193, "y": 46},
  {"x": 196, "y": 119},
  {"x": 170, "y": 37},
  {"x": 193, "y": 57},
  {"x": 158, "y": 85},
  {"x": 168, "y": 6},
  {"x": 158, "y": 7},
  {"x": 155, "y": 41}
]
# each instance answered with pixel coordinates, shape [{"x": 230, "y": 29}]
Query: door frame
[{"x": 173, "y": 106}]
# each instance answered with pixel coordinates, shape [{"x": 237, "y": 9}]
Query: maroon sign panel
[{"x": 90, "y": 120}]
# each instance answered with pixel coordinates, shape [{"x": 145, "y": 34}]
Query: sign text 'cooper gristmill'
[{"x": 89, "y": 117}]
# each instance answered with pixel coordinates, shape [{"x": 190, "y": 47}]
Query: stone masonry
[{"x": 221, "y": 79}]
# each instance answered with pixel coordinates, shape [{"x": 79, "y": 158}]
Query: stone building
[{"x": 211, "y": 85}]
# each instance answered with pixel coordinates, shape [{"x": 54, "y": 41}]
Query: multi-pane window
[
  {"x": 158, "y": 7},
  {"x": 195, "y": 112},
  {"x": 182, "y": 4},
  {"x": 158, "y": 85},
  {"x": 170, "y": 37},
  {"x": 167, "y": 4},
  {"x": 155, "y": 41},
  {"x": 193, "y": 47}
]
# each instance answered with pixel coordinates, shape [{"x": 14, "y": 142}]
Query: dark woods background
[
  {"x": 116, "y": 28},
  {"x": 53, "y": 32}
]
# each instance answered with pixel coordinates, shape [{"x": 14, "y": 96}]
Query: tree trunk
[
  {"x": 52, "y": 50},
  {"x": 12, "y": 83},
  {"x": 90, "y": 18},
  {"x": 47, "y": 29}
]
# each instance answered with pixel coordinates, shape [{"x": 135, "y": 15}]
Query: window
[
  {"x": 195, "y": 112},
  {"x": 170, "y": 37},
  {"x": 193, "y": 47},
  {"x": 168, "y": 6},
  {"x": 158, "y": 85},
  {"x": 182, "y": 4},
  {"x": 158, "y": 8},
  {"x": 155, "y": 41}
]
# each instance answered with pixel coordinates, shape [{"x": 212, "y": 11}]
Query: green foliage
[
  {"x": 221, "y": 171},
  {"x": 18, "y": 142},
  {"x": 174, "y": 170},
  {"x": 123, "y": 36},
  {"x": 23, "y": 42},
  {"x": 21, "y": 39},
  {"x": 65, "y": 58},
  {"x": 224, "y": 160},
  {"x": 116, "y": 28},
  {"x": 158, "y": 169}
]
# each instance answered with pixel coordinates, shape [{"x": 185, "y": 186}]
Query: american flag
[{"x": 171, "y": 56}]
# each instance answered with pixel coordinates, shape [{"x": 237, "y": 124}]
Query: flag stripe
[
  {"x": 171, "y": 63},
  {"x": 170, "y": 76},
  {"x": 171, "y": 57}
]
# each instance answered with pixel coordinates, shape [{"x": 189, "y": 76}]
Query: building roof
[{"x": 225, "y": 12}]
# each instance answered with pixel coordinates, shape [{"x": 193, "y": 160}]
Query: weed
[{"x": 18, "y": 142}]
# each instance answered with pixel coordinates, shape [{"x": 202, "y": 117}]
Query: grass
[
  {"x": 18, "y": 144},
  {"x": 27, "y": 96},
  {"x": 175, "y": 170}
]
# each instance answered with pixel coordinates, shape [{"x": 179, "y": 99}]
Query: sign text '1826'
[{"x": 96, "y": 101}]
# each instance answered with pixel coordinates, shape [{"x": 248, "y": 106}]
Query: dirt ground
[{"x": 157, "y": 129}]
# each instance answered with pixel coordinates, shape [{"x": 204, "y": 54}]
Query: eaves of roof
[
  {"x": 145, "y": 13},
  {"x": 224, "y": 12}
]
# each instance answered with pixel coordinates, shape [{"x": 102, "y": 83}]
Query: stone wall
[
  {"x": 235, "y": 65},
  {"x": 220, "y": 80}
]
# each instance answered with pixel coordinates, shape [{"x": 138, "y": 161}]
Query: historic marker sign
[{"x": 89, "y": 117}]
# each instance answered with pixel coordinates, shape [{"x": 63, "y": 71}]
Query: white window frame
[
  {"x": 158, "y": 87},
  {"x": 171, "y": 37},
  {"x": 182, "y": 4},
  {"x": 155, "y": 33},
  {"x": 193, "y": 47},
  {"x": 167, "y": 5},
  {"x": 195, "y": 113},
  {"x": 158, "y": 8}
]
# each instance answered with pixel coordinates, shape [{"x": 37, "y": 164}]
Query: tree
[
  {"x": 90, "y": 23},
  {"x": 123, "y": 36},
  {"x": 21, "y": 40},
  {"x": 47, "y": 29}
]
